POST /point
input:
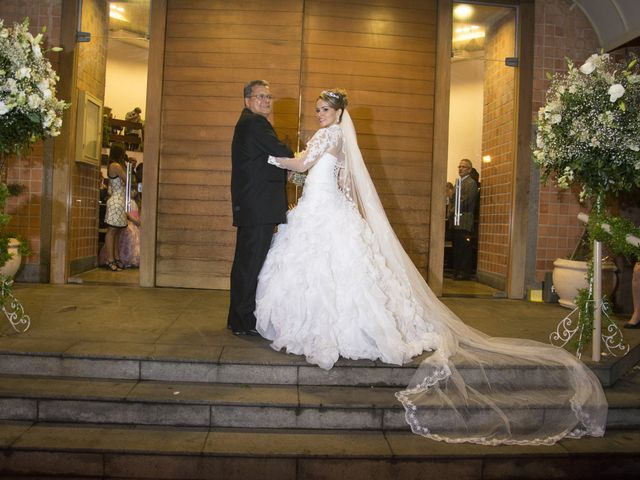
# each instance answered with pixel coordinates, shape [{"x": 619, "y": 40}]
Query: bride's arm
[
  {"x": 323, "y": 140},
  {"x": 295, "y": 164}
]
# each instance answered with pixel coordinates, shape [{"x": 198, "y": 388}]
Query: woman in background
[{"x": 116, "y": 214}]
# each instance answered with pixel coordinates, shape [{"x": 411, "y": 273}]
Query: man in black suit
[
  {"x": 259, "y": 199},
  {"x": 466, "y": 198}
]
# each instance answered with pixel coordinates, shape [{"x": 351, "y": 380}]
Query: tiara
[{"x": 331, "y": 94}]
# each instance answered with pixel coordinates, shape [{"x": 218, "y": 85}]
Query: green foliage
[{"x": 616, "y": 237}]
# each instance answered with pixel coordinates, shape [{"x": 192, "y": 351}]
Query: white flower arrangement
[
  {"x": 29, "y": 109},
  {"x": 589, "y": 128}
]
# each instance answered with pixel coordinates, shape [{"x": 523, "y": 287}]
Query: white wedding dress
[
  {"x": 325, "y": 291},
  {"x": 337, "y": 283}
]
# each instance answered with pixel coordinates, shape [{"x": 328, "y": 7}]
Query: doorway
[
  {"x": 482, "y": 120},
  {"x": 123, "y": 124}
]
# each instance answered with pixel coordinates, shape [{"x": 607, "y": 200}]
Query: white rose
[
  {"x": 634, "y": 147},
  {"x": 4, "y": 33},
  {"x": 11, "y": 85},
  {"x": 3, "y": 108},
  {"x": 590, "y": 65},
  {"x": 23, "y": 72},
  {"x": 36, "y": 51},
  {"x": 34, "y": 101},
  {"x": 615, "y": 92},
  {"x": 556, "y": 118}
]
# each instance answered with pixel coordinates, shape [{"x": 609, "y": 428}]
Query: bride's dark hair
[{"x": 336, "y": 98}]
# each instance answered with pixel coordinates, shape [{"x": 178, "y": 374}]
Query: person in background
[
  {"x": 116, "y": 212},
  {"x": 634, "y": 321},
  {"x": 466, "y": 197}
]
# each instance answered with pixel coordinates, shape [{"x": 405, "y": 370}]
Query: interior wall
[
  {"x": 498, "y": 141},
  {"x": 465, "y": 115},
  {"x": 126, "y": 80}
]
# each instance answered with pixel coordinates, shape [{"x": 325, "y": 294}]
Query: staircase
[{"x": 244, "y": 411}]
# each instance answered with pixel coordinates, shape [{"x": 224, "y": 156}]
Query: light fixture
[
  {"x": 462, "y": 11},
  {"x": 486, "y": 159},
  {"x": 117, "y": 12}
]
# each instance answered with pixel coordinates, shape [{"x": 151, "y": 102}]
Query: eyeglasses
[{"x": 262, "y": 97}]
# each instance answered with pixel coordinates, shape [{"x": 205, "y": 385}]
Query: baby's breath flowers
[
  {"x": 589, "y": 128},
  {"x": 29, "y": 109}
]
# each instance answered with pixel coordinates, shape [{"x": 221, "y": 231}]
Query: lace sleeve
[{"x": 324, "y": 140}]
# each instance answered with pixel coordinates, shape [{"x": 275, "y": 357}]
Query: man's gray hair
[{"x": 248, "y": 88}]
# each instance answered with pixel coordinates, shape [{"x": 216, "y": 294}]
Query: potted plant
[
  {"x": 570, "y": 274},
  {"x": 589, "y": 135},
  {"x": 29, "y": 112}
]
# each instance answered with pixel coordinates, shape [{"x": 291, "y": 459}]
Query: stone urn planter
[
  {"x": 569, "y": 276},
  {"x": 12, "y": 266}
]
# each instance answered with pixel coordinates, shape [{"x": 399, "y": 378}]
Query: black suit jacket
[
  {"x": 258, "y": 189},
  {"x": 468, "y": 201}
]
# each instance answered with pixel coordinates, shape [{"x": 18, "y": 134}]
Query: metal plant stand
[{"x": 12, "y": 307}]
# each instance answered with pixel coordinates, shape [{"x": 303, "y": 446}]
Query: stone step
[
  {"x": 180, "y": 453},
  {"x": 79, "y": 400},
  {"x": 245, "y": 366}
]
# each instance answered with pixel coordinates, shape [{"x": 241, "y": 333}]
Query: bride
[{"x": 337, "y": 282}]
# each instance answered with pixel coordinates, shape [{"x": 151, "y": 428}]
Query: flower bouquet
[
  {"x": 29, "y": 109},
  {"x": 589, "y": 135}
]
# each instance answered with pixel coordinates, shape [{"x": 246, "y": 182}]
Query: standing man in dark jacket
[
  {"x": 259, "y": 199},
  {"x": 466, "y": 198}
]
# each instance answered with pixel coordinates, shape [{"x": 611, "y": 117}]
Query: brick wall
[
  {"x": 498, "y": 142},
  {"x": 559, "y": 32},
  {"x": 27, "y": 169}
]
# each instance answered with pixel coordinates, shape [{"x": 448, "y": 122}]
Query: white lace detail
[
  {"x": 274, "y": 161},
  {"x": 337, "y": 282}
]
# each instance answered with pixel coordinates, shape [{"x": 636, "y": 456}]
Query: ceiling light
[
  {"x": 462, "y": 11},
  {"x": 118, "y": 16}
]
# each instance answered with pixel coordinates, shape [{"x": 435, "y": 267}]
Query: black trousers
[
  {"x": 462, "y": 253},
  {"x": 252, "y": 245}
]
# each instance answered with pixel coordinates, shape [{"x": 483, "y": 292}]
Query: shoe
[
  {"x": 113, "y": 266},
  {"x": 632, "y": 325},
  {"x": 252, "y": 332}
]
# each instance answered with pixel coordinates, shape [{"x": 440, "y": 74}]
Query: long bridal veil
[{"x": 476, "y": 388}]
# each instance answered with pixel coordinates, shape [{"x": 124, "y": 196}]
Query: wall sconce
[{"x": 486, "y": 159}]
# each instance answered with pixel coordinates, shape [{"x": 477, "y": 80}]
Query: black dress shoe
[
  {"x": 632, "y": 325},
  {"x": 252, "y": 332}
]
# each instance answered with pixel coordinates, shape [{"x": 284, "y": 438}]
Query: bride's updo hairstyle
[{"x": 336, "y": 98}]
